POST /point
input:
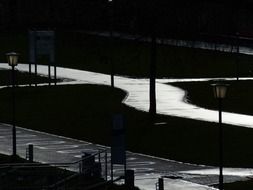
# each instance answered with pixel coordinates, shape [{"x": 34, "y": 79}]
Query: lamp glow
[
  {"x": 220, "y": 90},
  {"x": 12, "y": 58}
]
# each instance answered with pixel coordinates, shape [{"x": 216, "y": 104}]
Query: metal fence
[{"x": 89, "y": 170}]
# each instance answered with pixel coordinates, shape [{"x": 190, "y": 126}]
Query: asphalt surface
[{"x": 50, "y": 148}]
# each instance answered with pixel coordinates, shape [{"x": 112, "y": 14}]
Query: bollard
[
  {"x": 160, "y": 184},
  {"x": 129, "y": 178},
  {"x": 30, "y": 152}
]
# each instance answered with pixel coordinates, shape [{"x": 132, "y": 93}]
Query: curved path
[{"x": 170, "y": 99}]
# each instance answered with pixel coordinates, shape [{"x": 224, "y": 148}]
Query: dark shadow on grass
[{"x": 85, "y": 112}]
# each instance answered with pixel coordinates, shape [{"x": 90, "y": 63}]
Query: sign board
[
  {"x": 41, "y": 43},
  {"x": 118, "y": 155}
]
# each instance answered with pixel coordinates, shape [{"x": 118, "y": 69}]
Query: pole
[
  {"x": 30, "y": 73},
  {"x": 237, "y": 56},
  {"x": 126, "y": 173},
  {"x": 112, "y": 73},
  {"x": 220, "y": 146},
  {"x": 14, "y": 147},
  {"x": 106, "y": 172},
  {"x": 153, "y": 62},
  {"x": 152, "y": 90},
  {"x": 35, "y": 59},
  {"x": 55, "y": 73},
  {"x": 49, "y": 73},
  {"x": 160, "y": 184},
  {"x": 35, "y": 73},
  {"x": 111, "y": 19},
  {"x": 30, "y": 152},
  {"x": 111, "y": 169}
]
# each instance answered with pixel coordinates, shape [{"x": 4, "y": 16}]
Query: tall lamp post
[
  {"x": 12, "y": 59},
  {"x": 220, "y": 91},
  {"x": 111, "y": 22}
]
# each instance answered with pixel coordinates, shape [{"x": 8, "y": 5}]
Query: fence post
[{"x": 106, "y": 170}]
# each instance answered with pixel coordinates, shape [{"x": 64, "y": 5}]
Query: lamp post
[
  {"x": 111, "y": 22},
  {"x": 12, "y": 59},
  {"x": 220, "y": 90}
]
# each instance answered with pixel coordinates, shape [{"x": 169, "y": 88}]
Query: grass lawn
[
  {"x": 75, "y": 49},
  {"x": 85, "y": 114},
  {"x": 241, "y": 185},
  {"x": 22, "y": 78},
  {"x": 133, "y": 58},
  {"x": 238, "y": 100}
]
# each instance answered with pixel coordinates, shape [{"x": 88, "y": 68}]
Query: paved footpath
[
  {"x": 170, "y": 100},
  {"x": 50, "y": 148}
]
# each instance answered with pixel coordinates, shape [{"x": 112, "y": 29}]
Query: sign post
[
  {"x": 118, "y": 152},
  {"x": 42, "y": 43}
]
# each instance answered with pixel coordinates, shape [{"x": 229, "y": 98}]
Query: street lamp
[
  {"x": 220, "y": 91},
  {"x": 12, "y": 59}
]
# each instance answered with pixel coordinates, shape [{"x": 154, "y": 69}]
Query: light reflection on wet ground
[
  {"x": 227, "y": 171},
  {"x": 170, "y": 101}
]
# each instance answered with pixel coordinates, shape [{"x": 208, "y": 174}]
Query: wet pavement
[
  {"x": 170, "y": 101},
  {"x": 50, "y": 148}
]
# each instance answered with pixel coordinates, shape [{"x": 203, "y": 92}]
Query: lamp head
[
  {"x": 12, "y": 58},
  {"x": 220, "y": 90}
]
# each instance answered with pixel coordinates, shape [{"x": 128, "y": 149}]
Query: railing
[{"x": 55, "y": 175}]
